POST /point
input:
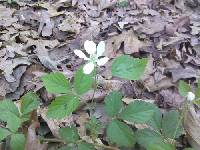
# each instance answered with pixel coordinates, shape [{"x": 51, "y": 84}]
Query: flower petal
[
  {"x": 88, "y": 68},
  {"x": 102, "y": 61},
  {"x": 101, "y": 48},
  {"x": 90, "y": 47},
  {"x": 80, "y": 54}
]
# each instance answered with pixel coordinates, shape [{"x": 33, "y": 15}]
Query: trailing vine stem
[{"x": 183, "y": 113}]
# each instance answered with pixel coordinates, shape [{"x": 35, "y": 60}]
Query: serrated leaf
[
  {"x": 69, "y": 134},
  {"x": 8, "y": 105},
  {"x": 56, "y": 83},
  {"x": 10, "y": 114},
  {"x": 169, "y": 124},
  {"x": 30, "y": 102},
  {"x": 120, "y": 134},
  {"x": 62, "y": 106},
  {"x": 83, "y": 82},
  {"x": 147, "y": 137},
  {"x": 137, "y": 112},
  {"x": 4, "y": 133},
  {"x": 129, "y": 68},
  {"x": 161, "y": 146},
  {"x": 85, "y": 146},
  {"x": 155, "y": 121},
  {"x": 17, "y": 141},
  {"x": 183, "y": 88},
  {"x": 113, "y": 103}
]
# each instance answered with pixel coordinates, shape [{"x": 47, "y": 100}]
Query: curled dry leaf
[
  {"x": 131, "y": 44},
  {"x": 33, "y": 142},
  {"x": 54, "y": 124},
  {"x": 184, "y": 73}
]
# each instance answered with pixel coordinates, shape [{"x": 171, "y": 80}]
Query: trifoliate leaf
[
  {"x": 120, "y": 134},
  {"x": 129, "y": 68},
  {"x": 4, "y": 133},
  {"x": 137, "y": 112},
  {"x": 17, "y": 142},
  {"x": 30, "y": 102},
  {"x": 170, "y": 124},
  {"x": 62, "y": 106},
  {"x": 113, "y": 103},
  {"x": 56, "y": 83},
  {"x": 69, "y": 134},
  {"x": 183, "y": 88},
  {"x": 83, "y": 82}
]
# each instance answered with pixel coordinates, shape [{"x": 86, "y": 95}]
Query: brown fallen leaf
[
  {"x": 53, "y": 124},
  {"x": 130, "y": 41},
  {"x": 172, "y": 98},
  {"x": 172, "y": 28},
  {"x": 6, "y": 18},
  {"x": 33, "y": 142},
  {"x": 184, "y": 73}
]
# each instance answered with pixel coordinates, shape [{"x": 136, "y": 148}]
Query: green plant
[
  {"x": 137, "y": 122},
  {"x": 15, "y": 117}
]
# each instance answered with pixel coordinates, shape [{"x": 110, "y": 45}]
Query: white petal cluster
[
  {"x": 190, "y": 96},
  {"x": 95, "y": 51}
]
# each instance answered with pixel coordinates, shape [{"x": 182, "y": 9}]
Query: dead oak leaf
[{"x": 131, "y": 44}]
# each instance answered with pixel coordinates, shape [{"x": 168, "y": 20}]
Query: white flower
[
  {"x": 190, "y": 96},
  {"x": 95, "y": 52}
]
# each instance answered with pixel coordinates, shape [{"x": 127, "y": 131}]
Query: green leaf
[
  {"x": 56, "y": 83},
  {"x": 17, "y": 141},
  {"x": 197, "y": 92},
  {"x": 155, "y": 121},
  {"x": 170, "y": 124},
  {"x": 9, "y": 113},
  {"x": 62, "y": 106},
  {"x": 189, "y": 149},
  {"x": 66, "y": 148},
  {"x": 4, "y": 133},
  {"x": 83, "y": 82},
  {"x": 113, "y": 103},
  {"x": 30, "y": 102},
  {"x": 147, "y": 137},
  {"x": 138, "y": 112},
  {"x": 8, "y": 105},
  {"x": 129, "y": 68},
  {"x": 69, "y": 134},
  {"x": 161, "y": 146},
  {"x": 183, "y": 88},
  {"x": 85, "y": 146},
  {"x": 120, "y": 134}
]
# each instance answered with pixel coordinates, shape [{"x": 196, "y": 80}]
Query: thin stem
[
  {"x": 95, "y": 88},
  {"x": 183, "y": 112},
  {"x": 53, "y": 140}
]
